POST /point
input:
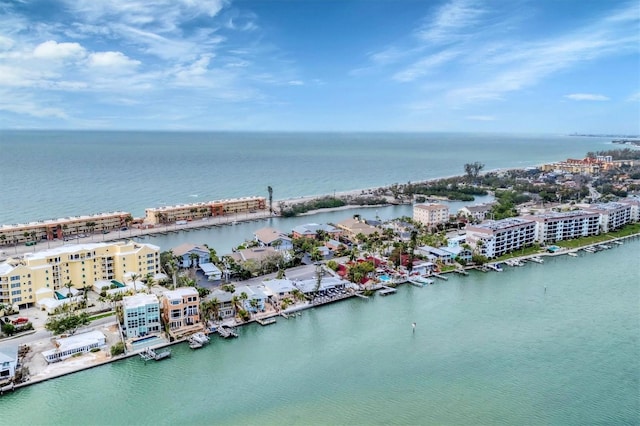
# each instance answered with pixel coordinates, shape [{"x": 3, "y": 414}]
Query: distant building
[
  {"x": 310, "y": 230},
  {"x": 181, "y": 310},
  {"x": 495, "y": 238},
  {"x": 184, "y": 253},
  {"x": 271, "y": 237},
  {"x": 351, "y": 227},
  {"x": 431, "y": 215},
  {"x": 141, "y": 314},
  {"x": 255, "y": 253},
  {"x": 477, "y": 212},
  {"x": 195, "y": 211}
]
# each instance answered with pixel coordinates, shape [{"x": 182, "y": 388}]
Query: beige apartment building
[
  {"x": 431, "y": 215},
  {"x": 497, "y": 237},
  {"x": 558, "y": 226},
  {"x": 80, "y": 264},
  {"x": 20, "y": 233},
  {"x": 181, "y": 311},
  {"x": 195, "y": 211}
]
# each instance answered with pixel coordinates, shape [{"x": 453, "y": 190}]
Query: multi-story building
[
  {"x": 195, "y": 211},
  {"x": 612, "y": 215},
  {"x": 557, "y": 226},
  {"x": 310, "y": 230},
  {"x": 141, "y": 314},
  {"x": 431, "y": 215},
  {"x": 59, "y": 228},
  {"x": 497, "y": 237},
  {"x": 181, "y": 310},
  {"x": 80, "y": 264},
  {"x": 635, "y": 207},
  {"x": 477, "y": 212}
]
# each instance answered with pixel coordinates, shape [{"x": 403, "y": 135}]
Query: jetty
[
  {"x": 226, "y": 331},
  {"x": 387, "y": 290},
  {"x": 461, "y": 272},
  {"x": 362, "y": 296},
  {"x": 150, "y": 354},
  {"x": 442, "y": 277},
  {"x": 266, "y": 321}
]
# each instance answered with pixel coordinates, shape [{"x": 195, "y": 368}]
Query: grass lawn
[
  {"x": 103, "y": 315},
  {"x": 630, "y": 229},
  {"x": 523, "y": 252}
]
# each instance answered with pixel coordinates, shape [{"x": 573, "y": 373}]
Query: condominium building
[
  {"x": 181, "y": 310},
  {"x": 80, "y": 264},
  {"x": 195, "y": 211},
  {"x": 59, "y": 228},
  {"x": 141, "y": 314},
  {"x": 431, "y": 215},
  {"x": 635, "y": 207},
  {"x": 612, "y": 215},
  {"x": 557, "y": 226},
  {"x": 497, "y": 237}
]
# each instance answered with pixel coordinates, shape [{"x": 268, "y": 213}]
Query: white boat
[
  {"x": 536, "y": 259},
  {"x": 420, "y": 281},
  {"x": 495, "y": 266},
  {"x": 199, "y": 337},
  {"x": 572, "y": 254},
  {"x": 150, "y": 354}
]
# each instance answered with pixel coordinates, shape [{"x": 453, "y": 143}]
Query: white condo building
[
  {"x": 557, "y": 226},
  {"x": 612, "y": 215},
  {"x": 497, "y": 237}
]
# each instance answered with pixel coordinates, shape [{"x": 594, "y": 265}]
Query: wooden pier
[
  {"x": 387, "y": 290},
  {"x": 266, "y": 321},
  {"x": 461, "y": 272},
  {"x": 442, "y": 277},
  {"x": 227, "y": 332}
]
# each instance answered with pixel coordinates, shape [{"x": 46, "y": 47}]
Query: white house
[{"x": 69, "y": 346}]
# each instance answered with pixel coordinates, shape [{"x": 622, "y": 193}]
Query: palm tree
[
  {"x": 270, "y": 191},
  {"x": 25, "y": 235},
  {"x": 68, "y": 285},
  {"x": 194, "y": 258},
  {"x": 3, "y": 238},
  {"x": 244, "y": 297},
  {"x": 235, "y": 300},
  {"x": 149, "y": 281},
  {"x": 133, "y": 278}
]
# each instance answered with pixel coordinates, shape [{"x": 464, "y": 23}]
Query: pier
[
  {"x": 266, "y": 321},
  {"x": 227, "y": 332},
  {"x": 442, "y": 277},
  {"x": 461, "y": 272},
  {"x": 387, "y": 290}
]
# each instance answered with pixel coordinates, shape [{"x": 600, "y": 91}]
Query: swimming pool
[
  {"x": 146, "y": 342},
  {"x": 384, "y": 278}
]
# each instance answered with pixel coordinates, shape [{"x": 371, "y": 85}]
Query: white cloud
[
  {"x": 586, "y": 97},
  {"x": 296, "y": 83},
  {"x": 115, "y": 62},
  {"x": 481, "y": 117},
  {"x": 635, "y": 97},
  {"x": 426, "y": 65},
  {"x": 451, "y": 22},
  {"x": 53, "y": 50}
]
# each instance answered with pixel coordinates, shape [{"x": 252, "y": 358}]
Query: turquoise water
[
  {"x": 489, "y": 348},
  {"x": 52, "y": 174}
]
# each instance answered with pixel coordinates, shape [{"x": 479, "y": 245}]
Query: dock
[
  {"x": 266, "y": 321},
  {"x": 361, "y": 295},
  {"x": 387, "y": 290},
  {"x": 442, "y": 277},
  {"x": 227, "y": 332},
  {"x": 461, "y": 272},
  {"x": 149, "y": 354}
]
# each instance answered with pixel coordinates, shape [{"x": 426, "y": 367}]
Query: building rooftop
[
  {"x": 496, "y": 225},
  {"x": 139, "y": 300}
]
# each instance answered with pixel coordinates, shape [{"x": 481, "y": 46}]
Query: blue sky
[{"x": 536, "y": 66}]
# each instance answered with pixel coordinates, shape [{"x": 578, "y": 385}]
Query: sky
[{"x": 538, "y": 66}]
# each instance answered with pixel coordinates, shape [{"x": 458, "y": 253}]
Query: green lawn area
[
  {"x": 524, "y": 252},
  {"x": 103, "y": 315},
  {"x": 630, "y": 229}
]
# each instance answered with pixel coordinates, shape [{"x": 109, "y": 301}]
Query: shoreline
[{"x": 292, "y": 310}]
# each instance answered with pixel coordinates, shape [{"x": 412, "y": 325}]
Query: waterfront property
[
  {"x": 255, "y": 300},
  {"x": 8, "y": 364},
  {"x": 612, "y": 215},
  {"x": 195, "y": 211},
  {"x": 431, "y": 215},
  {"x": 352, "y": 227},
  {"x": 62, "y": 228},
  {"x": 70, "y": 346},
  {"x": 141, "y": 314},
  {"x": 271, "y": 237},
  {"x": 224, "y": 303},
  {"x": 557, "y": 226},
  {"x": 181, "y": 311},
  {"x": 497, "y": 237},
  {"x": 211, "y": 271},
  {"x": 82, "y": 265},
  {"x": 190, "y": 255},
  {"x": 311, "y": 230},
  {"x": 476, "y": 212}
]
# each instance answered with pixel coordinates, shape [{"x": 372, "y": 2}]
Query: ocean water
[
  {"x": 53, "y": 174},
  {"x": 488, "y": 349}
]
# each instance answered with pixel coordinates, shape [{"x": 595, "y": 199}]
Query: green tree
[
  {"x": 270, "y": 191},
  {"x": 133, "y": 278}
]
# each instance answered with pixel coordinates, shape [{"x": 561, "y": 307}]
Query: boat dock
[
  {"x": 361, "y": 295},
  {"x": 387, "y": 290},
  {"x": 266, "y": 321},
  {"x": 149, "y": 354},
  {"x": 227, "y": 332},
  {"x": 442, "y": 277},
  {"x": 461, "y": 272}
]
